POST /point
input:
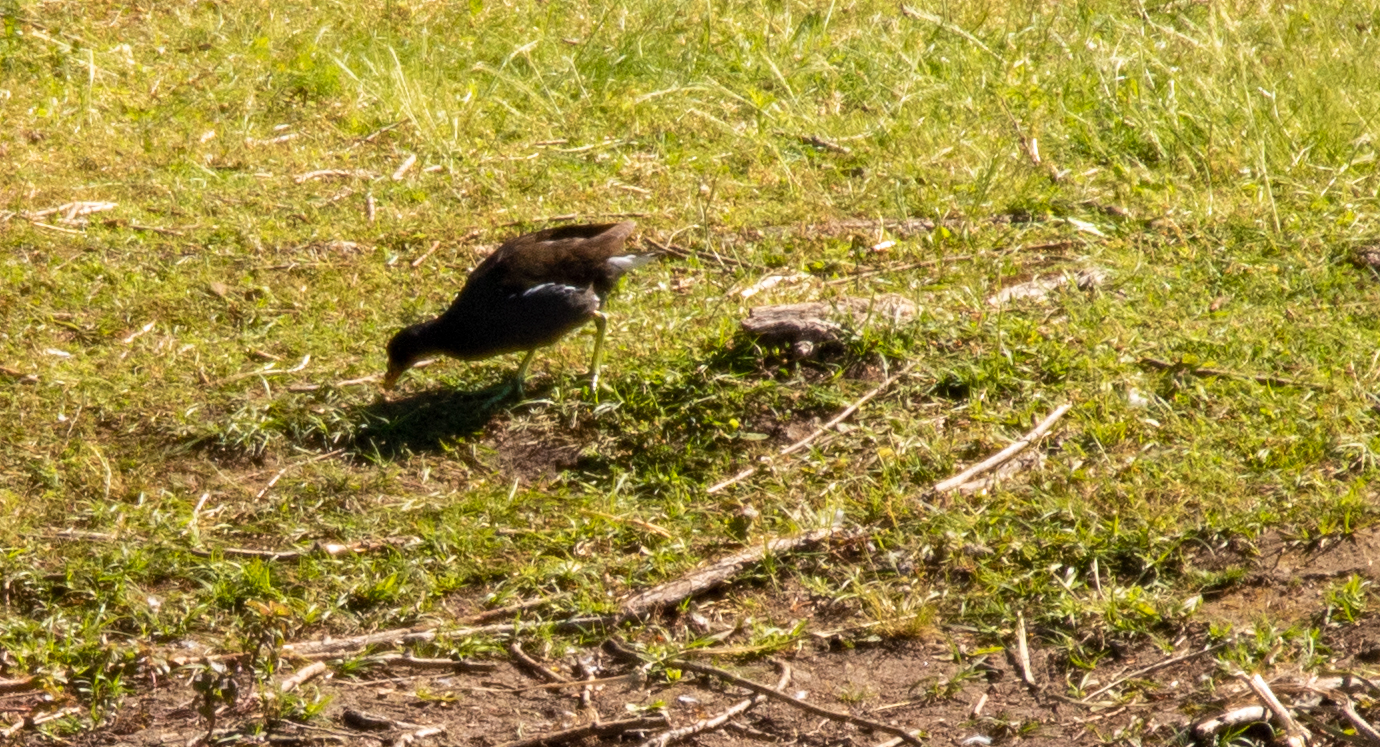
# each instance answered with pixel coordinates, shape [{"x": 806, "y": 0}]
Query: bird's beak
[{"x": 390, "y": 379}]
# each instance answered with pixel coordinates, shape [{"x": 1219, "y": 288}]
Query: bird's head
[{"x": 404, "y": 350}]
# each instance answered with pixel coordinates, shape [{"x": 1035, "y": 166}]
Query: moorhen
[{"x": 529, "y": 293}]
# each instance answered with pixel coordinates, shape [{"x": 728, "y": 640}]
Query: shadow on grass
[{"x": 427, "y": 421}]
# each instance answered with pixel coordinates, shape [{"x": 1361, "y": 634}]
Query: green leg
[
  {"x": 601, "y": 324},
  {"x": 522, "y": 371}
]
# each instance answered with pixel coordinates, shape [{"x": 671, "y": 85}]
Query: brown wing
[{"x": 570, "y": 255}]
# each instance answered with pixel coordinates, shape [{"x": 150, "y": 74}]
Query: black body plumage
[{"x": 531, "y": 292}]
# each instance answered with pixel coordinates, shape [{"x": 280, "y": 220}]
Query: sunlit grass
[{"x": 160, "y": 357}]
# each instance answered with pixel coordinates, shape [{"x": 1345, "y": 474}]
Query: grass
[{"x": 1218, "y": 159}]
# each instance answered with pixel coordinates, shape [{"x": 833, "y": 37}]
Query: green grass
[{"x": 1218, "y": 159}]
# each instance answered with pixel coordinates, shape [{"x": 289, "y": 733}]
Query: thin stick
[
  {"x": 709, "y": 724},
  {"x": 309, "y": 672},
  {"x": 604, "y": 729},
  {"x": 536, "y": 667},
  {"x": 1023, "y": 651},
  {"x": 418, "y": 261},
  {"x": 806, "y": 441},
  {"x": 1295, "y": 735},
  {"x": 494, "y": 614},
  {"x": 406, "y": 165},
  {"x": 574, "y": 683},
  {"x": 325, "y": 649},
  {"x": 997, "y": 459},
  {"x": 334, "y": 174},
  {"x": 674, "y": 592},
  {"x": 1362, "y": 726},
  {"x": 779, "y": 696},
  {"x": 1152, "y": 668},
  {"x": 371, "y": 136},
  {"x": 454, "y": 664},
  {"x": 1236, "y": 717}
]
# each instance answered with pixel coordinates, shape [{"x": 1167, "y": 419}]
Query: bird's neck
[{"x": 447, "y": 335}]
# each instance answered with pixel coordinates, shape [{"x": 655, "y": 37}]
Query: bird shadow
[{"x": 426, "y": 421}]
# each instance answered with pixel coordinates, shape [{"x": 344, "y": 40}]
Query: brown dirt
[{"x": 896, "y": 681}]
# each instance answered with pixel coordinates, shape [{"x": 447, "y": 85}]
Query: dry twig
[
  {"x": 301, "y": 676},
  {"x": 697, "y": 582},
  {"x": 806, "y": 441},
  {"x": 603, "y": 729},
  {"x": 1023, "y": 651},
  {"x": 334, "y": 174},
  {"x": 1245, "y": 715},
  {"x": 779, "y": 696},
  {"x": 453, "y": 664},
  {"x": 1295, "y": 736},
  {"x": 535, "y": 667},
  {"x": 1152, "y": 668},
  {"x": 997, "y": 459},
  {"x": 418, "y": 261},
  {"x": 721, "y": 719}
]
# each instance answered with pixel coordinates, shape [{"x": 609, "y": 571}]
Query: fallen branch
[
  {"x": 332, "y": 549},
  {"x": 1182, "y": 367},
  {"x": 1295, "y": 735},
  {"x": 402, "y": 170},
  {"x": 806, "y": 441},
  {"x": 697, "y": 582},
  {"x": 997, "y": 459},
  {"x": 721, "y": 719},
  {"x": 819, "y": 142},
  {"x": 602, "y": 729}
]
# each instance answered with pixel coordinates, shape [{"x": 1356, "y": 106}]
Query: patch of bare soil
[
  {"x": 842, "y": 683},
  {"x": 943, "y": 683}
]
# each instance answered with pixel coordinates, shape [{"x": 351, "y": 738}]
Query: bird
[{"x": 529, "y": 293}]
